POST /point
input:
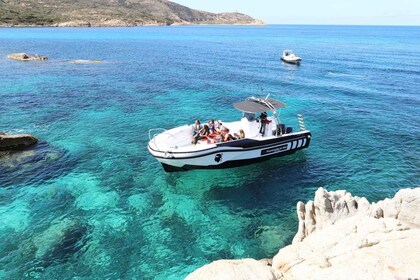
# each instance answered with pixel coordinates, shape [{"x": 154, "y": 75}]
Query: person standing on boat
[{"x": 263, "y": 120}]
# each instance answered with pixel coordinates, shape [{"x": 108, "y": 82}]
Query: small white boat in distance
[
  {"x": 251, "y": 139},
  {"x": 290, "y": 57}
]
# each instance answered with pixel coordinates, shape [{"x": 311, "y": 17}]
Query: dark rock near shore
[{"x": 16, "y": 142}]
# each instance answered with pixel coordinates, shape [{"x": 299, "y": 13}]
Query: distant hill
[{"x": 109, "y": 13}]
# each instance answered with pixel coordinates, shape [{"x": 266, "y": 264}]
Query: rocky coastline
[
  {"x": 104, "y": 13},
  {"x": 340, "y": 236},
  {"x": 119, "y": 23}
]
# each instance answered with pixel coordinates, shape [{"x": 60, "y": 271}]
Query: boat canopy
[{"x": 258, "y": 105}]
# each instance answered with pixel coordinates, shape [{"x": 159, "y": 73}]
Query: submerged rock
[
  {"x": 61, "y": 239},
  {"x": 26, "y": 57},
  {"x": 16, "y": 142}
]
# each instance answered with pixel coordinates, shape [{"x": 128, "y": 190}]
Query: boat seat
[
  {"x": 251, "y": 128},
  {"x": 281, "y": 128},
  {"x": 268, "y": 128}
]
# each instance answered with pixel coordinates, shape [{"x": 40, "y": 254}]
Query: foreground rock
[
  {"x": 26, "y": 57},
  {"x": 246, "y": 269},
  {"x": 345, "y": 237},
  {"x": 330, "y": 207},
  {"x": 16, "y": 141}
]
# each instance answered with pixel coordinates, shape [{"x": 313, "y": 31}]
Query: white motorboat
[
  {"x": 290, "y": 57},
  {"x": 265, "y": 138}
]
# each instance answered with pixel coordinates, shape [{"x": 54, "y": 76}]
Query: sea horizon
[{"x": 219, "y": 25}]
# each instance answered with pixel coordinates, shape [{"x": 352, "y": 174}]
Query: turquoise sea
[{"x": 89, "y": 202}]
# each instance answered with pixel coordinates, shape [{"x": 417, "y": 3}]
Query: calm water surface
[{"x": 90, "y": 202}]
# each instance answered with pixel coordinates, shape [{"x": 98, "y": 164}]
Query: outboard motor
[{"x": 281, "y": 129}]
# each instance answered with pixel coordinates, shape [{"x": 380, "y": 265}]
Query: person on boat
[
  {"x": 226, "y": 136},
  {"x": 204, "y": 133},
  {"x": 196, "y": 127},
  {"x": 241, "y": 134},
  {"x": 263, "y": 121},
  {"x": 212, "y": 126},
  {"x": 219, "y": 126}
]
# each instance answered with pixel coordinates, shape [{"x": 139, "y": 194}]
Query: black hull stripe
[
  {"x": 228, "y": 164},
  {"x": 271, "y": 145},
  {"x": 222, "y": 151},
  {"x": 237, "y": 150}
]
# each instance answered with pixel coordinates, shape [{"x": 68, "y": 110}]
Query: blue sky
[{"x": 364, "y": 12}]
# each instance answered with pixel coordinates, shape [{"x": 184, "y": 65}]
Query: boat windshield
[{"x": 288, "y": 52}]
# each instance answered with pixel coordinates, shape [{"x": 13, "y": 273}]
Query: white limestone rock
[
  {"x": 245, "y": 269},
  {"x": 330, "y": 207},
  {"x": 340, "y": 237},
  {"x": 353, "y": 239},
  {"x": 358, "y": 247}
]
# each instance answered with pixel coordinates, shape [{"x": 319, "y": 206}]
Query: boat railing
[
  {"x": 162, "y": 131},
  {"x": 155, "y": 129},
  {"x": 301, "y": 121}
]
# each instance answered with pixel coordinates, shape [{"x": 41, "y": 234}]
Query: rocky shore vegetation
[{"x": 107, "y": 13}]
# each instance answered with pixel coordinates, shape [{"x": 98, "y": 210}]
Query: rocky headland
[
  {"x": 108, "y": 13},
  {"x": 340, "y": 236},
  {"x": 16, "y": 141}
]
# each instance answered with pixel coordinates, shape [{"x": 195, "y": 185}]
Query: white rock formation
[
  {"x": 245, "y": 269},
  {"x": 330, "y": 207},
  {"x": 341, "y": 237},
  {"x": 345, "y": 237}
]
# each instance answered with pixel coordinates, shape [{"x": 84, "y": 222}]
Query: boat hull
[
  {"x": 233, "y": 154},
  {"x": 291, "y": 61}
]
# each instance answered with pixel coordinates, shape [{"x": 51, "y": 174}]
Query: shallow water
[{"x": 90, "y": 201}]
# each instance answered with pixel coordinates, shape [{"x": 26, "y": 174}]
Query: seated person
[
  {"x": 240, "y": 136},
  {"x": 226, "y": 136},
  {"x": 212, "y": 126},
  {"x": 196, "y": 127},
  {"x": 203, "y": 134},
  {"x": 219, "y": 126}
]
